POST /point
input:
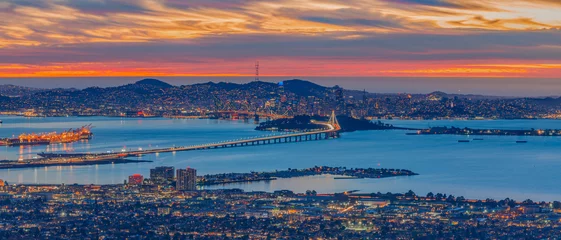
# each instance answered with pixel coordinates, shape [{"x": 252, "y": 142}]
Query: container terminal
[{"x": 68, "y": 136}]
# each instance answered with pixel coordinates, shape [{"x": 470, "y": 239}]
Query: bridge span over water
[{"x": 330, "y": 131}]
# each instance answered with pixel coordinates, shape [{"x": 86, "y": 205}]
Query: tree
[
  {"x": 451, "y": 198},
  {"x": 430, "y": 195}
]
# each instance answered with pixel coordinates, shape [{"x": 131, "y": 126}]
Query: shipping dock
[{"x": 68, "y": 136}]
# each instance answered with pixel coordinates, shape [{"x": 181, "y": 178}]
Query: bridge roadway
[{"x": 324, "y": 134}]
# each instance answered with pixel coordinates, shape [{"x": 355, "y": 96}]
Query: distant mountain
[
  {"x": 302, "y": 87},
  {"x": 549, "y": 101},
  {"x": 296, "y": 96},
  {"x": 439, "y": 93},
  {"x": 10, "y": 90},
  {"x": 154, "y": 82}
]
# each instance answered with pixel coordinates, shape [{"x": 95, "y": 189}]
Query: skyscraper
[
  {"x": 186, "y": 179},
  {"x": 162, "y": 174}
]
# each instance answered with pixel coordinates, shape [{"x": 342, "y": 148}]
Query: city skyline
[
  {"x": 405, "y": 38},
  {"x": 280, "y": 119}
]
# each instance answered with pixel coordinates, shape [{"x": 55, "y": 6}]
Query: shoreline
[
  {"x": 64, "y": 164},
  {"x": 338, "y": 172},
  {"x": 488, "y": 132},
  {"x": 205, "y": 117}
]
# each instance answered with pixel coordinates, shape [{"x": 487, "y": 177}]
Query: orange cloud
[
  {"x": 54, "y": 27},
  {"x": 283, "y": 67},
  {"x": 57, "y": 23}
]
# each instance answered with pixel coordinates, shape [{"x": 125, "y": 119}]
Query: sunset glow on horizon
[{"x": 389, "y": 38}]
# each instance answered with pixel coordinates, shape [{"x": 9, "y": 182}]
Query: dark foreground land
[
  {"x": 150, "y": 212},
  {"x": 224, "y": 178}
]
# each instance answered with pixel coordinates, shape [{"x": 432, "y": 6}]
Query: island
[
  {"x": 488, "y": 132},
  {"x": 307, "y": 123},
  {"x": 343, "y": 172},
  {"x": 303, "y": 123}
]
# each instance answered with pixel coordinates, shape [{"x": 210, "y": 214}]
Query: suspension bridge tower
[{"x": 335, "y": 123}]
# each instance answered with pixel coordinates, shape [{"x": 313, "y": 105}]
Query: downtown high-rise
[{"x": 186, "y": 179}]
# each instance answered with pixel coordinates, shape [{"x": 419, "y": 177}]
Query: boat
[
  {"x": 463, "y": 141},
  {"x": 521, "y": 141}
]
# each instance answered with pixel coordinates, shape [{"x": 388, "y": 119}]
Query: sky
[{"x": 481, "y": 39}]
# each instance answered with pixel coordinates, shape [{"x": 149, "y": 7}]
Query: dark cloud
[
  {"x": 220, "y": 4},
  {"x": 101, "y": 7},
  {"x": 535, "y": 45},
  {"x": 436, "y": 3},
  {"x": 29, "y": 3},
  {"x": 355, "y": 22},
  {"x": 453, "y": 4},
  {"x": 228, "y": 31}
]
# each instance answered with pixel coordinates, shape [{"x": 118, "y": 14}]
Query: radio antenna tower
[{"x": 257, "y": 71}]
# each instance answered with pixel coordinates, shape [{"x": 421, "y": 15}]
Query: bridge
[{"x": 330, "y": 131}]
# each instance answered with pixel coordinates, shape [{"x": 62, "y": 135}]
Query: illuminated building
[
  {"x": 163, "y": 211},
  {"x": 186, "y": 179},
  {"x": 162, "y": 174},
  {"x": 136, "y": 179}
]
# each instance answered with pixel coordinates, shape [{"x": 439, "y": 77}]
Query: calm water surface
[{"x": 496, "y": 167}]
